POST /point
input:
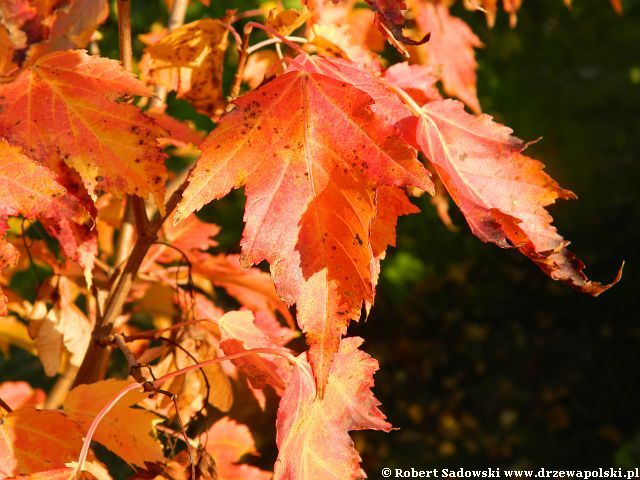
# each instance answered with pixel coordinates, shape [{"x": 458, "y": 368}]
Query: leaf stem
[
  {"x": 157, "y": 383},
  {"x": 271, "y": 41}
]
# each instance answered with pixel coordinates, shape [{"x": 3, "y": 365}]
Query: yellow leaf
[
  {"x": 125, "y": 431},
  {"x": 189, "y": 60}
]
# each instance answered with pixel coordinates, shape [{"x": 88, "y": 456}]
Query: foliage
[{"x": 325, "y": 145}]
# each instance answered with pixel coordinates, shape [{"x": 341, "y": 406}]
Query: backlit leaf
[
  {"x": 240, "y": 333},
  {"x": 64, "y": 108},
  {"x": 450, "y": 50},
  {"x": 502, "y": 192},
  {"x": 125, "y": 431},
  {"x": 189, "y": 60},
  {"x": 311, "y": 154},
  {"x": 313, "y": 439},
  {"x": 228, "y": 441},
  {"x": 24, "y": 432}
]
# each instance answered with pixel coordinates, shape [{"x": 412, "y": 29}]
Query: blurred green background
[{"x": 484, "y": 360}]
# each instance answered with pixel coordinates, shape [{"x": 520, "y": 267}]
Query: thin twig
[
  {"x": 5, "y": 406},
  {"x": 173, "y": 398},
  {"x": 248, "y": 14},
  {"x": 244, "y": 53},
  {"x": 134, "y": 367},
  {"x": 242, "y": 62}
]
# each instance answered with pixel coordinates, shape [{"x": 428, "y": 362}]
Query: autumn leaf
[
  {"x": 60, "y": 332},
  {"x": 70, "y": 26},
  {"x": 20, "y": 395},
  {"x": 392, "y": 203},
  {"x": 450, "y": 50},
  {"x": 64, "y": 108},
  {"x": 501, "y": 192},
  {"x": 14, "y": 332},
  {"x": 390, "y": 19},
  {"x": 125, "y": 431},
  {"x": 180, "y": 467},
  {"x": 228, "y": 441},
  {"x": 187, "y": 238},
  {"x": 251, "y": 287},
  {"x": 35, "y": 192},
  {"x": 190, "y": 60},
  {"x": 209, "y": 385},
  {"x": 91, "y": 470},
  {"x": 311, "y": 154},
  {"x": 34, "y": 29},
  {"x": 24, "y": 432},
  {"x": 259, "y": 65},
  {"x": 240, "y": 333},
  {"x": 180, "y": 133},
  {"x": 419, "y": 81},
  {"x": 384, "y": 104},
  {"x": 312, "y": 432},
  {"x": 287, "y": 21},
  {"x": 8, "y": 258}
]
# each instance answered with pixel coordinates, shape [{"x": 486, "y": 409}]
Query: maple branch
[
  {"x": 96, "y": 358},
  {"x": 242, "y": 62},
  {"x": 124, "y": 34},
  {"x": 157, "y": 383},
  {"x": 94, "y": 364},
  {"x": 134, "y": 367}
]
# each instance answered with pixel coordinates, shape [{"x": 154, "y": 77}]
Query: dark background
[{"x": 484, "y": 360}]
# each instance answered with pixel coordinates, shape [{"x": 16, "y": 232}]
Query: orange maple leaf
[
  {"x": 228, "y": 441},
  {"x": 23, "y": 433},
  {"x": 450, "y": 50},
  {"x": 125, "y": 431},
  {"x": 501, "y": 192},
  {"x": 35, "y": 28},
  {"x": 35, "y": 192},
  {"x": 311, "y": 153},
  {"x": 239, "y": 333},
  {"x": 312, "y": 433},
  {"x": 64, "y": 108}
]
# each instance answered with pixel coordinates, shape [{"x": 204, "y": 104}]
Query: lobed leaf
[
  {"x": 64, "y": 108},
  {"x": 312, "y": 432},
  {"x": 312, "y": 154},
  {"x": 450, "y": 50},
  {"x": 501, "y": 192}
]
